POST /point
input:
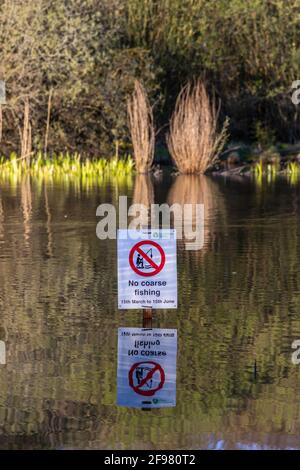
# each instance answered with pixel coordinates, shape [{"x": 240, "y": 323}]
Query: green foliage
[
  {"x": 76, "y": 49},
  {"x": 293, "y": 171},
  {"x": 89, "y": 53},
  {"x": 269, "y": 171},
  {"x": 64, "y": 166},
  {"x": 263, "y": 135},
  {"x": 248, "y": 51}
]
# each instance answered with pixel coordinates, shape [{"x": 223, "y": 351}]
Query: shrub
[
  {"x": 193, "y": 141},
  {"x": 141, "y": 128}
]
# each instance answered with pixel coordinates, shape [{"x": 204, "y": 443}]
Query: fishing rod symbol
[
  {"x": 140, "y": 260},
  {"x": 141, "y": 373}
]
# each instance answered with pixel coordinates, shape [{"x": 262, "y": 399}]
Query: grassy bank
[
  {"x": 270, "y": 171},
  {"x": 263, "y": 166},
  {"x": 63, "y": 164}
]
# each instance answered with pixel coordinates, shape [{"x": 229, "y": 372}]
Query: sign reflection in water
[{"x": 147, "y": 367}]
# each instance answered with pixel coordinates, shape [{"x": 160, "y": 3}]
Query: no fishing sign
[
  {"x": 147, "y": 367},
  {"x": 147, "y": 272}
]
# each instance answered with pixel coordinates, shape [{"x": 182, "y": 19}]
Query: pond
[{"x": 237, "y": 316}]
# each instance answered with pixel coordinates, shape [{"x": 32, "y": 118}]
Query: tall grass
[
  {"x": 293, "y": 172},
  {"x": 269, "y": 172},
  {"x": 141, "y": 128},
  {"x": 193, "y": 141},
  {"x": 70, "y": 165}
]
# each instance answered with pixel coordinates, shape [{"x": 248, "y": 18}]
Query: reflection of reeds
[
  {"x": 1, "y": 122},
  {"x": 26, "y": 202},
  {"x": 48, "y": 224},
  {"x": 193, "y": 141},
  {"x": 1, "y": 219},
  {"x": 143, "y": 194},
  {"x": 198, "y": 190},
  {"x": 79, "y": 182},
  {"x": 143, "y": 190},
  {"x": 141, "y": 128}
]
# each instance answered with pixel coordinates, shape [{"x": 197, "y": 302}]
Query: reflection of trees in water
[
  {"x": 52, "y": 310},
  {"x": 60, "y": 314},
  {"x": 239, "y": 306},
  {"x": 247, "y": 298}
]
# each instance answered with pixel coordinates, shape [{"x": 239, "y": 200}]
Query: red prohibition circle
[
  {"x": 157, "y": 267},
  {"x": 137, "y": 388}
]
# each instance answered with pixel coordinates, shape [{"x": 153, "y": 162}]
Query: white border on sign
[{"x": 153, "y": 234}]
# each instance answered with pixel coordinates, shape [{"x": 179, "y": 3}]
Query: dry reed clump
[
  {"x": 141, "y": 128},
  {"x": 193, "y": 141}
]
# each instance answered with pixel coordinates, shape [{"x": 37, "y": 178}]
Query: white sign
[
  {"x": 147, "y": 367},
  {"x": 147, "y": 272}
]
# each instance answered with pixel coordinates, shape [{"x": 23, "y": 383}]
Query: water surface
[{"x": 238, "y": 314}]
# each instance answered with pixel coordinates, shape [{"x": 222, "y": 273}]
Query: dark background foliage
[{"x": 89, "y": 52}]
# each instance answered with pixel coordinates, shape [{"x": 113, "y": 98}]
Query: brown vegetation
[
  {"x": 193, "y": 141},
  {"x": 141, "y": 128}
]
